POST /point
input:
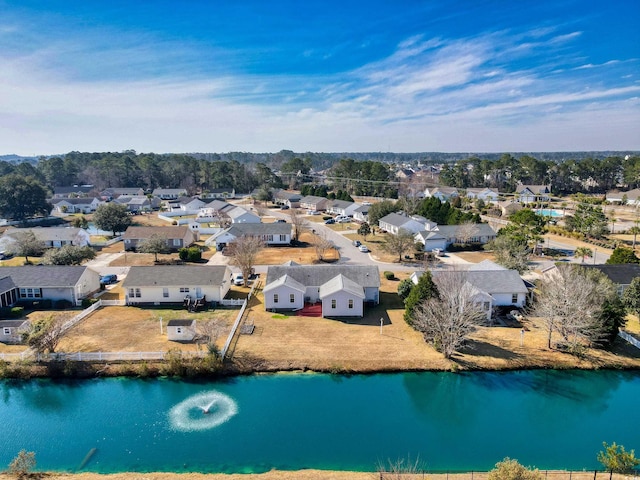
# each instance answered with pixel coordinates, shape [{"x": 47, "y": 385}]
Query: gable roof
[
  {"x": 74, "y": 201},
  {"x": 44, "y": 275},
  {"x": 621, "y": 274},
  {"x": 146, "y": 232},
  {"x": 240, "y": 229},
  {"x": 483, "y": 230},
  {"x": 533, "y": 188},
  {"x": 316, "y": 275},
  {"x": 46, "y": 233},
  {"x": 176, "y": 275},
  {"x": 181, "y": 322},
  {"x": 341, "y": 203},
  {"x": 312, "y": 199},
  {"x": 77, "y": 189},
  {"x": 340, "y": 283},
  {"x": 395, "y": 219},
  {"x": 497, "y": 281},
  {"x": 6, "y": 284},
  {"x": 285, "y": 280}
]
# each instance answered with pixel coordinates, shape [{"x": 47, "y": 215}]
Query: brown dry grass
[
  {"x": 290, "y": 342},
  {"x": 132, "y": 329},
  {"x": 306, "y": 475},
  {"x": 304, "y": 255}
]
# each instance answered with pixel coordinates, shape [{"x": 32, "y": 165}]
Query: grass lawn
[
  {"x": 132, "y": 329},
  {"x": 304, "y": 254}
]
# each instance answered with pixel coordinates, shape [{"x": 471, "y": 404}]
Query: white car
[
  {"x": 238, "y": 279},
  {"x": 363, "y": 248}
]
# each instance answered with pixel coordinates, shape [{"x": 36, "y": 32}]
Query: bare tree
[
  {"x": 466, "y": 232},
  {"x": 154, "y": 244},
  {"x": 322, "y": 245},
  {"x": 27, "y": 245},
  {"x": 244, "y": 253},
  {"x": 399, "y": 244},
  {"x": 400, "y": 469},
  {"x": 299, "y": 224},
  {"x": 210, "y": 331},
  {"x": 570, "y": 302},
  {"x": 45, "y": 334},
  {"x": 448, "y": 319}
]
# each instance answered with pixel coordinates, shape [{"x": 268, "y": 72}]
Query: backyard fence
[
  {"x": 630, "y": 338},
  {"x": 111, "y": 356},
  {"x": 236, "y": 324},
  {"x": 232, "y": 302}
]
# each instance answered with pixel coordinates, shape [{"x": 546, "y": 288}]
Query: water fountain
[{"x": 202, "y": 411}]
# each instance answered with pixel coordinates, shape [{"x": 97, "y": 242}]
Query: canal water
[{"x": 469, "y": 421}]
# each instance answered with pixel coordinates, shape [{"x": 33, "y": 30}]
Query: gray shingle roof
[
  {"x": 180, "y": 323},
  {"x": 497, "y": 281},
  {"x": 44, "y": 275},
  {"x": 312, "y": 199},
  {"x": 483, "y": 230},
  {"x": 285, "y": 280},
  {"x": 341, "y": 283},
  {"x": 6, "y": 284},
  {"x": 241, "y": 229},
  {"x": 316, "y": 275},
  {"x": 136, "y": 233},
  {"x": 621, "y": 274},
  {"x": 47, "y": 233},
  {"x": 13, "y": 323},
  {"x": 176, "y": 275},
  {"x": 395, "y": 219},
  {"x": 341, "y": 203}
]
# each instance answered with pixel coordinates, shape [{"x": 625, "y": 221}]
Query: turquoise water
[
  {"x": 548, "y": 212},
  {"x": 550, "y": 419}
]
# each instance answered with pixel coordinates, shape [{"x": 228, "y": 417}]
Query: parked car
[
  {"x": 331, "y": 221},
  {"x": 238, "y": 279},
  {"x": 357, "y": 243},
  {"x": 5, "y": 255},
  {"x": 284, "y": 207},
  {"x": 108, "y": 279},
  {"x": 343, "y": 219},
  {"x": 280, "y": 220},
  {"x": 363, "y": 248},
  {"x": 438, "y": 252}
]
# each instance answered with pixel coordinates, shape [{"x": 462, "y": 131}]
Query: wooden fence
[{"x": 629, "y": 338}]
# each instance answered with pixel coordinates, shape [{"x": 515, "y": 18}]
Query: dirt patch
[{"x": 132, "y": 329}]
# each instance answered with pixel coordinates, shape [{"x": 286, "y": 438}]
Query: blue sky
[{"x": 258, "y": 76}]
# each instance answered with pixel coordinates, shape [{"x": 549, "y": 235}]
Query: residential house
[
  {"x": 74, "y": 191},
  {"x": 394, "y": 222},
  {"x": 50, "y": 236},
  {"x": 190, "y": 204},
  {"x": 181, "y": 330},
  {"x": 361, "y": 214},
  {"x": 214, "y": 193},
  {"x": 313, "y": 203},
  {"x": 272, "y": 234},
  {"x": 177, "y": 237},
  {"x": 240, "y": 215},
  {"x": 290, "y": 199},
  {"x": 138, "y": 204},
  {"x": 218, "y": 209},
  {"x": 486, "y": 194},
  {"x": 113, "y": 193},
  {"x": 173, "y": 284},
  {"x": 444, "y": 235},
  {"x": 432, "y": 240},
  {"x": 404, "y": 173},
  {"x": 75, "y": 205},
  {"x": 47, "y": 282},
  {"x": 492, "y": 288},
  {"x": 631, "y": 197},
  {"x": 342, "y": 289},
  {"x": 444, "y": 194},
  {"x": 621, "y": 275},
  {"x": 12, "y": 331},
  {"x": 342, "y": 207},
  {"x": 533, "y": 193},
  {"x": 169, "y": 193}
]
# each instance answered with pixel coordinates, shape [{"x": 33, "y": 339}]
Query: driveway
[{"x": 101, "y": 263}]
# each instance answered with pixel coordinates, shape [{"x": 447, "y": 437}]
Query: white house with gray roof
[
  {"x": 51, "y": 237},
  {"x": 76, "y": 205},
  {"x": 47, "y": 282},
  {"x": 172, "y": 284},
  {"x": 342, "y": 289},
  {"x": 444, "y": 235},
  {"x": 11, "y": 331},
  {"x": 342, "y": 207},
  {"x": 394, "y": 222},
  {"x": 169, "y": 193},
  {"x": 272, "y": 234}
]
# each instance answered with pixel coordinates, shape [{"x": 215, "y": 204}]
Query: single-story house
[
  {"x": 394, "y": 222},
  {"x": 290, "y": 199},
  {"x": 342, "y": 289},
  {"x": 485, "y": 194},
  {"x": 172, "y": 284},
  {"x": 177, "y": 237},
  {"x": 533, "y": 193},
  {"x": 630, "y": 197},
  {"x": 112, "y": 193},
  {"x": 139, "y": 203},
  {"x": 49, "y": 236},
  {"x": 76, "y": 205},
  {"x": 444, "y": 194},
  {"x": 190, "y": 204},
  {"x": 483, "y": 233},
  {"x": 75, "y": 191},
  {"x": 361, "y": 214},
  {"x": 405, "y": 173},
  {"x": 621, "y": 275},
  {"x": 493, "y": 288},
  {"x": 181, "y": 330},
  {"x": 47, "y": 282},
  {"x": 342, "y": 207},
  {"x": 273, "y": 234},
  {"x": 432, "y": 239},
  {"x": 169, "y": 193},
  {"x": 314, "y": 203},
  {"x": 240, "y": 215},
  {"x": 11, "y": 331},
  {"x": 218, "y": 193}
]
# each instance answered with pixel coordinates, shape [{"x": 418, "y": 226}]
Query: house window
[
  {"x": 487, "y": 305},
  {"x": 184, "y": 289},
  {"x": 283, "y": 238},
  {"x": 275, "y": 298},
  {"x": 269, "y": 238},
  {"x": 134, "y": 293},
  {"x": 165, "y": 292},
  {"x": 292, "y": 297},
  {"x": 351, "y": 303},
  {"x": 514, "y": 298},
  {"x": 178, "y": 330},
  {"x": 177, "y": 242},
  {"x": 7, "y": 331},
  {"x": 333, "y": 303},
  {"x": 30, "y": 293}
]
